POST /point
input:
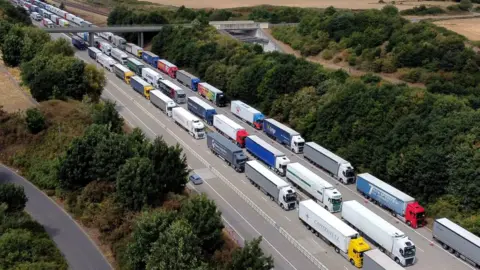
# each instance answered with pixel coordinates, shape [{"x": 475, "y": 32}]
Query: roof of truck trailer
[
  {"x": 202, "y": 103},
  {"x": 386, "y": 187},
  {"x": 382, "y": 259},
  {"x": 310, "y": 175},
  {"x": 279, "y": 182},
  {"x": 460, "y": 231},
  {"x": 266, "y": 145},
  {"x": 326, "y": 151},
  {"x": 282, "y": 126}
]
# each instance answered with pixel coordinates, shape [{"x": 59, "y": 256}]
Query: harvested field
[
  {"x": 348, "y": 4},
  {"x": 96, "y": 19},
  {"x": 467, "y": 27},
  {"x": 12, "y": 96}
]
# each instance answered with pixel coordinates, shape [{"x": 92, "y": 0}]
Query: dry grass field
[
  {"x": 470, "y": 28},
  {"x": 349, "y": 4},
  {"x": 12, "y": 96}
]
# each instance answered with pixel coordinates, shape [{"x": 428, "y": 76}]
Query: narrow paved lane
[{"x": 79, "y": 251}]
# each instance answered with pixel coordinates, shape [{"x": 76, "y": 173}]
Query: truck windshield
[
  {"x": 409, "y": 251},
  {"x": 199, "y": 130},
  {"x": 292, "y": 197},
  {"x": 337, "y": 201},
  {"x": 350, "y": 173},
  {"x": 181, "y": 95}
]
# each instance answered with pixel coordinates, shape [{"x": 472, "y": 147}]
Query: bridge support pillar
[
  {"x": 91, "y": 38},
  {"x": 140, "y": 39}
]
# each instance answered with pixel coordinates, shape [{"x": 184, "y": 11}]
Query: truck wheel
[
  {"x": 352, "y": 262},
  {"x": 397, "y": 261},
  {"x": 444, "y": 246},
  {"x": 409, "y": 223},
  {"x": 337, "y": 250}
]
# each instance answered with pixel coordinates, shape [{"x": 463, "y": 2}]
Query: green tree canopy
[
  {"x": 251, "y": 256},
  {"x": 35, "y": 120},
  {"x": 13, "y": 196},
  {"x": 106, "y": 114}
]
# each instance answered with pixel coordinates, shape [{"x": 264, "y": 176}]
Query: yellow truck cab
[
  {"x": 356, "y": 249},
  {"x": 123, "y": 72},
  {"x": 141, "y": 86}
]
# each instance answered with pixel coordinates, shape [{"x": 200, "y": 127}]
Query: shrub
[
  {"x": 35, "y": 120},
  {"x": 327, "y": 54}
]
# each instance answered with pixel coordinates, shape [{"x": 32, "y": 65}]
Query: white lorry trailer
[
  {"x": 161, "y": 101},
  {"x": 119, "y": 55},
  {"x": 189, "y": 122},
  {"x": 273, "y": 186},
  {"x": 152, "y": 77},
  {"x": 134, "y": 49},
  {"x": 228, "y": 128},
  {"x": 336, "y": 166},
  {"x": 316, "y": 187},
  {"x": 345, "y": 240},
  {"x": 457, "y": 240},
  {"x": 106, "y": 62},
  {"x": 248, "y": 114},
  {"x": 376, "y": 260},
  {"x": 388, "y": 238}
]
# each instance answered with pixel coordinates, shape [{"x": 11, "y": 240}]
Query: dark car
[{"x": 195, "y": 179}]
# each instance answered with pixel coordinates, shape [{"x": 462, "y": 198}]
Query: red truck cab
[
  {"x": 415, "y": 215},
  {"x": 241, "y": 136}
]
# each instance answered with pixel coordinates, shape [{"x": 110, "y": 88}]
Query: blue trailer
[
  {"x": 150, "y": 58},
  {"x": 79, "y": 43},
  {"x": 398, "y": 203},
  {"x": 284, "y": 135},
  {"x": 201, "y": 109},
  {"x": 272, "y": 157}
]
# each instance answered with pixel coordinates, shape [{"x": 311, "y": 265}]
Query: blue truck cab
[
  {"x": 150, "y": 58},
  {"x": 201, "y": 109},
  {"x": 284, "y": 135}
]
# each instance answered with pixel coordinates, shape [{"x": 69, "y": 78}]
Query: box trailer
[
  {"x": 134, "y": 49},
  {"x": 336, "y": 166},
  {"x": 93, "y": 52},
  {"x": 173, "y": 91},
  {"x": 119, "y": 55},
  {"x": 398, "y": 203},
  {"x": 284, "y": 135},
  {"x": 273, "y": 186},
  {"x": 152, "y": 77},
  {"x": 86, "y": 24},
  {"x": 387, "y": 237},
  {"x": 161, "y": 101},
  {"x": 105, "y": 47},
  {"x": 150, "y": 58},
  {"x": 123, "y": 72},
  {"x": 106, "y": 61},
  {"x": 260, "y": 149},
  {"x": 247, "y": 114},
  {"x": 228, "y": 128},
  {"x": 167, "y": 67},
  {"x": 226, "y": 150},
  {"x": 374, "y": 259},
  {"x": 188, "y": 79},
  {"x": 315, "y": 187},
  {"x": 63, "y": 23},
  {"x": 201, "y": 109},
  {"x": 119, "y": 42},
  {"x": 106, "y": 35},
  {"x": 345, "y": 240},
  {"x": 141, "y": 86},
  {"x": 189, "y": 122},
  {"x": 213, "y": 94},
  {"x": 79, "y": 43},
  {"x": 78, "y": 21},
  {"x": 135, "y": 66},
  {"x": 457, "y": 240}
]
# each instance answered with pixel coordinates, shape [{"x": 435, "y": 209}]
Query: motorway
[
  {"x": 79, "y": 251},
  {"x": 246, "y": 209}
]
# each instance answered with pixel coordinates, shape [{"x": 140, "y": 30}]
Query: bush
[
  {"x": 327, "y": 54},
  {"x": 35, "y": 120},
  {"x": 423, "y": 10},
  {"x": 13, "y": 196}
]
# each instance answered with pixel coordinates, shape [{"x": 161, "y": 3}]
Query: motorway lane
[
  {"x": 78, "y": 249},
  {"x": 428, "y": 252}
]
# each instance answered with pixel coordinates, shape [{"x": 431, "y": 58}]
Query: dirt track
[{"x": 470, "y": 28}]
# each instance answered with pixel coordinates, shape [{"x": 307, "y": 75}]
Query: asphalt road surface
[
  {"x": 230, "y": 190},
  {"x": 79, "y": 251}
]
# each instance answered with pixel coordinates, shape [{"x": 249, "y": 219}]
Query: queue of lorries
[{"x": 345, "y": 233}]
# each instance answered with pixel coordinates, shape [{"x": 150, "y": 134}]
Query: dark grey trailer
[
  {"x": 336, "y": 166},
  {"x": 374, "y": 259},
  {"x": 457, "y": 240},
  {"x": 226, "y": 150},
  {"x": 187, "y": 79},
  {"x": 273, "y": 186}
]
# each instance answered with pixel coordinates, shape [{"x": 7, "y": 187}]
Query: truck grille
[{"x": 409, "y": 261}]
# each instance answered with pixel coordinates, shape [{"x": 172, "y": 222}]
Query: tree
[
  {"x": 33, "y": 40},
  {"x": 206, "y": 222},
  {"x": 136, "y": 184},
  {"x": 46, "y": 82},
  {"x": 62, "y": 6},
  {"x": 35, "y": 120},
  {"x": 251, "y": 256},
  {"x": 12, "y": 50},
  {"x": 170, "y": 167},
  {"x": 106, "y": 114},
  {"x": 57, "y": 47},
  {"x": 76, "y": 167},
  {"x": 176, "y": 249},
  {"x": 95, "y": 81},
  {"x": 110, "y": 154},
  {"x": 13, "y": 196},
  {"x": 4, "y": 29},
  {"x": 465, "y": 5},
  {"x": 146, "y": 231}
]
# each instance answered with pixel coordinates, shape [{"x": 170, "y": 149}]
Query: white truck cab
[{"x": 297, "y": 144}]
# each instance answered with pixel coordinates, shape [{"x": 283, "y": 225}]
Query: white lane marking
[
  {"x": 266, "y": 240},
  {"x": 287, "y": 218},
  {"x": 264, "y": 199}
]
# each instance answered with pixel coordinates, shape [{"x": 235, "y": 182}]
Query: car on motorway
[{"x": 195, "y": 179}]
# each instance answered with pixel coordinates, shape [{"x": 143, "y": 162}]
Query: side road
[{"x": 79, "y": 251}]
